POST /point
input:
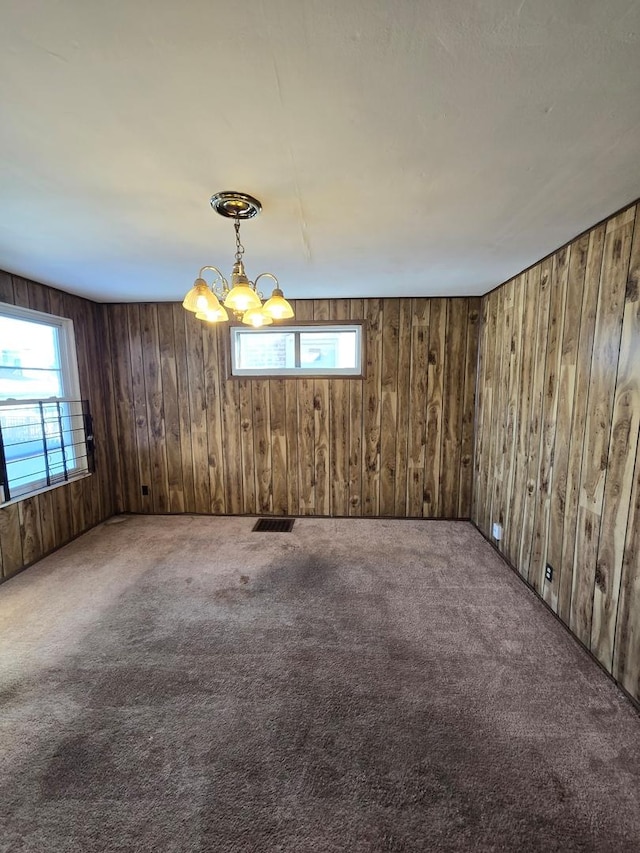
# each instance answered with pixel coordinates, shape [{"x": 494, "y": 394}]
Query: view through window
[
  {"x": 43, "y": 424},
  {"x": 297, "y": 350}
]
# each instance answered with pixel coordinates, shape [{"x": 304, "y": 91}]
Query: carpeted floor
[{"x": 184, "y": 684}]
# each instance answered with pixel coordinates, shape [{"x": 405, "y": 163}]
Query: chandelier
[{"x": 242, "y": 297}]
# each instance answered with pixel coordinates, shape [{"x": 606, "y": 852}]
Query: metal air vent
[{"x": 273, "y": 525}]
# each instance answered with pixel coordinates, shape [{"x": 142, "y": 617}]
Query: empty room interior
[{"x": 320, "y": 426}]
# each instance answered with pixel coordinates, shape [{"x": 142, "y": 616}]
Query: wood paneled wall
[
  {"x": 557, "y": 457},
  {"x": 31, "y": 528},
  {"x": 398, "y": 443}
]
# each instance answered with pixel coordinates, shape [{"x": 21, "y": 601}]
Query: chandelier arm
[
  {"x": 218, "y": 288},
  {"x": 216, "y": 271},
  {"x": 268, "y": 275}
]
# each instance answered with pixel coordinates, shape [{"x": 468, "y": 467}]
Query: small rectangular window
[
  {"x": 313, "y": 350},
  {"x": 45, "y": 429}
]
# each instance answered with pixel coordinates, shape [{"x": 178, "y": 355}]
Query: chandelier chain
[{"x": 239, "y": 246}]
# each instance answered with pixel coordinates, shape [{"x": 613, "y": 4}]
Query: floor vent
[{"x": 273, "y": 525}]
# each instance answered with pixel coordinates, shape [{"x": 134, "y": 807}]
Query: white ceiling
[{"x": 399, "y": 148}]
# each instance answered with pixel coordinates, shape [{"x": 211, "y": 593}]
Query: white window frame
[
  {"x": 336, "y": 372},
  {"x": 70, "y": 383}
]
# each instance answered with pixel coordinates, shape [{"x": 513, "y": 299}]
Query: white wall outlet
[{"x": 497, "y": 531}]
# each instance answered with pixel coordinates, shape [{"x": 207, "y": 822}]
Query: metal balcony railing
[{"x": 43, "y": 443}]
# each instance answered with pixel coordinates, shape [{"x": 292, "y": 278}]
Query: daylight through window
[
  {"x": 45, "y": 429},
  {"x": 321, "y": 350}
]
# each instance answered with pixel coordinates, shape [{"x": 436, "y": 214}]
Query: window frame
[
  {"x": 298, "y": 326},
  {"x": 70, "y": 381}
]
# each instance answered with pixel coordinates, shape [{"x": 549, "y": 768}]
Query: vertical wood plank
[
  {"x": 91, "y": 384},
  {"x": 11, "y": 541},
  {"x": 20, "y": 291},
  {"x": 211, "y": 344},
  {"x": 493, "y": 394},
  {"x": 138, "y": 400},
  {"x": 306, "y": 426},
  {"x": 38, "y": 297},
  {"x": 111, "y": 458},
  {"x": 356, "y": 422},
  {"x": 501, "y": 411},
  {"x": 234, "y": 477},
  {"x": 339, "y": 390},
  {"x": 322, "y": 417},
  {"x": 513, "y": 413},
  {"x": 543, "y": 534},
  {"x": 77, "y": 517},
  {"x": 278, "y": 436},
  {"x": 184, "y": 408},
  {"x": 171, "y": 410},
  {"x": 292, "y": 432},
  {"x": 198, "y": 413},
  {"x": 518, "y": 486},
  {"x": 483, "y": 396},
  {"x": 389, "y": 404},
  {"x": 102, "y": 406},
  {"x": 371, "y": 413},
  {"x": 127, "y": 459},
  {"x": 593, "y": 265},
  {"x": 542, "y": 275},
  {"x": 154, "y": 407},
  {"x": 452, "y": 404},
  {"x": 606, "y": 347},
  {"x": 322, "y": 456},
  {"x": 404, "y": 404},
  {"x": 247, "y": 453},
  {"x": 6, "y": 288},
  {"x": 262, "y": 445},
  {"x": 465, "y": 486},
  {"x": 418, "y": 412},
  {"x": 435, "y": 379},
  {"x": 62, "y": 512},
  {"x": 88, "y": 506},
  {"x": 30, "y": 530},
  {"x": 74, "y": 307},
  {"x": 563, "y": 420},
  {"x": 47, "y": 521}
]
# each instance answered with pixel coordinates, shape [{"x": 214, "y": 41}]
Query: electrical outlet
[
  {"x": 497, "y": 531},
  {"x": 548, "y": 572},
  {"x": 145, "y": 490}
]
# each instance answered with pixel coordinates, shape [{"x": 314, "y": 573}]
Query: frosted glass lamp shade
[
  {"x": 277, "y": 307},
  {"x": 242, "y": 297},
  {"x": 200, "y": 298},
  {"x": 257, "y": 317},
  {"x": 215, "y": 315}
]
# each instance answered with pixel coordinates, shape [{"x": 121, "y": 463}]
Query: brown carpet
[{"x": 184, "y": 684}]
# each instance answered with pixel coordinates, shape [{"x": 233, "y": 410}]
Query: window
[
  {"x": 45, "y": 429},
  {"x": 320, "y": 350}
]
